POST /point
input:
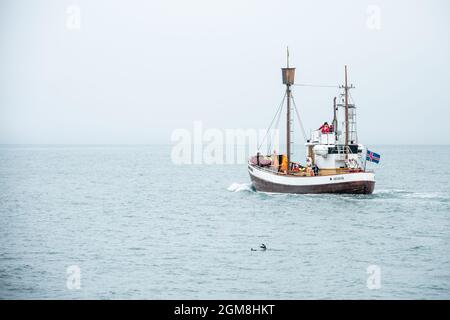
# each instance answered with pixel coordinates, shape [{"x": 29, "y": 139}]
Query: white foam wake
[{"x": 238, "y": 187}]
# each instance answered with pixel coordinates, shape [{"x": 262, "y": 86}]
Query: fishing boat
[{"x": 335, "y": 162}]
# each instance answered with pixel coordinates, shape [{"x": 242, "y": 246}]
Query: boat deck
[{"x": 306, "y": 173}]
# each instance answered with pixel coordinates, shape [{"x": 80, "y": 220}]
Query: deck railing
[{"x": 271, "y": 169}]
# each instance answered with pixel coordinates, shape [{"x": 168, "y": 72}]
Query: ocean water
[{"x": 137, "y": 226}]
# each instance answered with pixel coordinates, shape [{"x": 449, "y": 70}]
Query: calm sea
[{"x": 133, "y": 225}]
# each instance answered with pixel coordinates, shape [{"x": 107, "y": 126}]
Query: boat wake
[
  {"x": 238, "y": 187},
  {"x": 390, "y": 192},
  {"x": 381, "y": 194},
  {"x": 405, "y": 194}
]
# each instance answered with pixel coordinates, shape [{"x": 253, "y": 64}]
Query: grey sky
[{"x": 136, "y": 70}]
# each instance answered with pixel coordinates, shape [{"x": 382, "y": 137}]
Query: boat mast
[
  {"x": 288, "y": 79},
  {"x": 346, "y": 88},
  {"x": 288, "y": 117},
  {"x": 335, "y": 127},
  {"x": 346, "y": 115}
]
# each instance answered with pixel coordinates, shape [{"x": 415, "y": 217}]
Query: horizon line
[{"x": 168, "y": 144}]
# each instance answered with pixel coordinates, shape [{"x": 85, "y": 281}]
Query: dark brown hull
[{"x": 352, "y": 187}]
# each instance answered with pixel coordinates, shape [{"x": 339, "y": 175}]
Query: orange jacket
[{"x": 284, "y": 164}]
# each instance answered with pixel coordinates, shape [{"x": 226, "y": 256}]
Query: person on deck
[
  {"x": 315, "y": 169},
  {"x": 331, "y": 128},
  {"x": 325, "y": 128},
  {"x": 284, "y": 164},
  {"x": 275, "y": 162}
]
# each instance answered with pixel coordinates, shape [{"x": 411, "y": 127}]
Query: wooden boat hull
[{"x": 349, "y": 183}]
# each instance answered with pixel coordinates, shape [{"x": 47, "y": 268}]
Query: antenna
[
  {"x": 346, "y": 88},
  {"x": 287, "y": 56},
  {"x": 346, "y": 111}
]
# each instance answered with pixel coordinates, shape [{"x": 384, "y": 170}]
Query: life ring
[{"x": 352, "y": 164}]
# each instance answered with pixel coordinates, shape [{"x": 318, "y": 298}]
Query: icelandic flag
[{"x": 372, "y": 156}]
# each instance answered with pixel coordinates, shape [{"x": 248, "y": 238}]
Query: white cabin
[
  {"x": 329, "y": 150},
  {"x": 326, "y": 153}
]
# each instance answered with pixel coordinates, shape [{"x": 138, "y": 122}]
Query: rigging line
[
  {"x": 278, "y": 110},
  {"x": 353, "y": 100},
  {"x": 277, "y": 123},
  {"x": 278, "y": 117},
  {"x": 299, "y": 119},
  {"x": 315, "y": 85}
]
